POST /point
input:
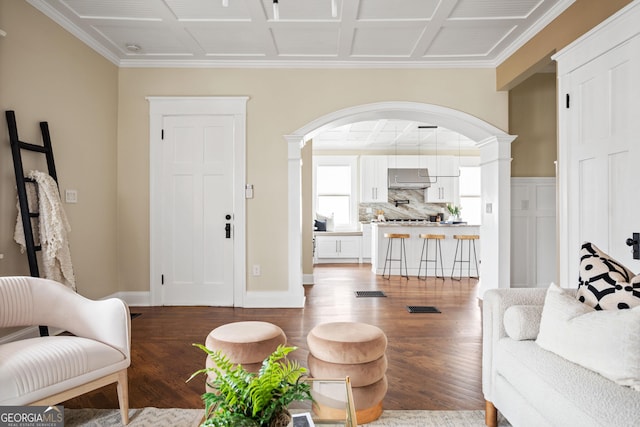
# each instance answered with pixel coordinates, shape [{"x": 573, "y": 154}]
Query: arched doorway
[{"x": 495, "y": 158}]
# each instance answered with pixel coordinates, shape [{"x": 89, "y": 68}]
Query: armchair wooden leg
[
  {"x": 123, "y": 396},
  {"x": 490, "y": 414}
]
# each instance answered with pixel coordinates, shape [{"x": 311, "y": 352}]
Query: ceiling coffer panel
[
  {"x": 306, "y": 40},
  {"x": 482, "y": 9},
  {"x": 477, "y": 40},
  {"x": 113, "y": 9},
  {"x": 208, "y": 10},
  {"x": 152, "y": 39},
  {"x": 396, "y": 40},
  {"x": 386, "y": 10},
  {"x": 228, "y": 39}
]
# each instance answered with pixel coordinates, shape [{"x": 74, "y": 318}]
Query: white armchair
[{"x": 50, "y": 370}]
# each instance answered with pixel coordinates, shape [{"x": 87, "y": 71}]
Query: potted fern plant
[{"x": 243, "y": 398}]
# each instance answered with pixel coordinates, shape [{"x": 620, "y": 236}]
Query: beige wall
[
  {"x": 532, "y": 116},
  {"x": 281, "y": 101},
  {"x": 46, "y": 74}
]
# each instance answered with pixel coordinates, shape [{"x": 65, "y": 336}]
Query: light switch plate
[{"x": 71, "y": 196}]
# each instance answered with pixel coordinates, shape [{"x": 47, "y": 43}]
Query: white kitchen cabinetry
[
  {"x": 444, "y": 170},
  {"x": 338, "y": 248},
  {"x": 373, "y": 179},
  {"x": 443, "y": 190},
  {"x": 366, "y": 242}
]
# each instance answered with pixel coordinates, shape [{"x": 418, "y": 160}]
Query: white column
[
  {"x": 294, "y": 165},
  {"x": 495, "y": 232}
]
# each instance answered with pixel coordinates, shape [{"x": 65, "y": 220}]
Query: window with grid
[
  {"x": 470, "y": 194},
  {"x": 335, "y": 185}
]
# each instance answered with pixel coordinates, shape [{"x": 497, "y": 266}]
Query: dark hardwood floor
[{"x": 434, "y": 359}]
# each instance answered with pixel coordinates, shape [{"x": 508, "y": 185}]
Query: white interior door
[
  {"x": 603, "y": 156},
  {"x": 197, "y": 210}
]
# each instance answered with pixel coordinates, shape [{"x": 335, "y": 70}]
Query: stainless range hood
[{"x": 409, "y": 179}]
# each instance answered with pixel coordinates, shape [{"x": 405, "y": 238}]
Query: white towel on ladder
[{"x": 54, "y": 227}]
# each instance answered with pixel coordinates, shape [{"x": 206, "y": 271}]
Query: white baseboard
[
  {"x": 138, "y": 299},
  {"x": 307, "y": 279}
]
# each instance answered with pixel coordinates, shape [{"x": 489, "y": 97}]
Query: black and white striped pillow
[{"x": 604, "y": 283}]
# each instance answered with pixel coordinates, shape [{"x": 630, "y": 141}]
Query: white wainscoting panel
[{"x": 533, "y": 232}]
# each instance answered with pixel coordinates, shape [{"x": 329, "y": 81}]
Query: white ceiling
[
  {"x": 363, "y": 33},
  {"x": 374, "y": 33},
  {"x": 391, "y": 135}
]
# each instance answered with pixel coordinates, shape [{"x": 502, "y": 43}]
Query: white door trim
[{"x": 161, "y": 106}]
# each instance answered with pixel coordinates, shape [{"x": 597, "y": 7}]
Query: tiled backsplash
[{"x": 416, "y": 208}]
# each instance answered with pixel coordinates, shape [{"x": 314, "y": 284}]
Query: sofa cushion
[
  {"x": 604, "y": 283},
  {"x": 564, "y": 393},
  {"x": 522, "y": 322},
  {"x": 607, "y": 342}
]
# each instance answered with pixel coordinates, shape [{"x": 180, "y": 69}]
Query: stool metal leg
[
  {"x": 403, "y": 254},
  {"x": 475, "y": 258},
  {"x": 424, "y": 243},
  {"x": 438, "y": 247},
  {"x": 455, "y": 260},
  {"x": 386, "y": 259}
]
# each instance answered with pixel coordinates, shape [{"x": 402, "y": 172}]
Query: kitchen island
[{"x": 413, "y": 246}]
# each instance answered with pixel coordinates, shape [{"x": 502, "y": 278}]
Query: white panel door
[
  {"x": 603, "y": 155},
  {"x": 197, "y": 210}
]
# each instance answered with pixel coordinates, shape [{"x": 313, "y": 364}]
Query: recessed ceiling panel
[
  {"x": 480, "y": 9},
  {"x": 151, "y": 39},
  {"x": 306, "y": 40},
  {"x": 386, "y": 40},
  {"x": 397, "y": 9},
  {"x": 301, "y": 10},
  {"x": 227, "y": 39},
  {"x": 468, "y": 40},
  {"x": 112, "y": 9},
  {"x": 202, "y": 10}
]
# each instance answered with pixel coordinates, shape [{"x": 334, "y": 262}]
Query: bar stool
[
  {"x": 403, "y": 254},
  {"x": 471, "y": 240},
  {"x": 424, "y": 255}
]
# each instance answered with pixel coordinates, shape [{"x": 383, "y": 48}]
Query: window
[
  {"x": 470, "y": 194},
  {"x": 335, "y": 189}
]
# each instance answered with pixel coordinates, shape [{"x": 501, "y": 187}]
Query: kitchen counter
[
  {"x": 422, "y": 224},
  {"x": 413, "y": 245},
  {"x": 337, "y": 233}
]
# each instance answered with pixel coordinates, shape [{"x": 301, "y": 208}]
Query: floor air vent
[
  {"x": 370, "y": 294},
  {"x": 422, "y": 309}
]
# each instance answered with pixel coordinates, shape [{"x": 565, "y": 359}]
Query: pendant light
[
  {"x": 334, "y": 8},
  {"x": 276, "y": 10},
  {"x": 225, "y": 3}
]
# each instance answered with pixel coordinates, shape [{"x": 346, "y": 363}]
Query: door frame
[{"x": 161, "y": 106}]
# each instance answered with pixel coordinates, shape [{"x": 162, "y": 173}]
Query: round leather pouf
[
  {"x": 360, "y": 374},
  {"x": 246, "y": 342},
  {"x": 370, "y": 395},
  {"x": 347, "y": 342}
]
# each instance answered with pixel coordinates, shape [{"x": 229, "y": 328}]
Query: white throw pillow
[
  {"x": 329, "y": 220},
  {"x": 604, "y": 341},
  {"x": 522, "y": 322}
]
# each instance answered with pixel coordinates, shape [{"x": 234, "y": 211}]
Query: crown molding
[{"x": 76, "y": 31}]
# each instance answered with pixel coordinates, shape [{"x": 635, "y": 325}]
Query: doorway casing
[{"x": 495, "y": 162}]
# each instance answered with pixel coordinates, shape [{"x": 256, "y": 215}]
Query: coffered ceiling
[{"x": 308, "y": 33}]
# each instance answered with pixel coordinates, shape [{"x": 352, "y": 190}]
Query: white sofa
[
  {"x": 49, "y": 370},
  {"x": 534, "y": 387}
]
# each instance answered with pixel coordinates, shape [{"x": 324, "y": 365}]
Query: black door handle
[
  {"x": 227, "y": 230},
  {"x": 635, "y": 244}
]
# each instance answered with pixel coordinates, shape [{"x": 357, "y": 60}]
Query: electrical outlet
[{"x": 256, "y": 269}]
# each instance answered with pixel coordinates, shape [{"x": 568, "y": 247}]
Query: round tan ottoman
[
  {"x": 357, "y": 350},
  {"x": 246, "y": 343}
]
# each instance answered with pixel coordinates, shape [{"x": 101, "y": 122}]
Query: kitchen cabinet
[
  {"x": 336, "y": 248},
  {"x": 373, "y": 179},
  {"x": 443, "y": 190},
  {"x": 366, "y": 243}
]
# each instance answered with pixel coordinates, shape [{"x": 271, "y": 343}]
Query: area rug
[{"x": 155, "y": 417}]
